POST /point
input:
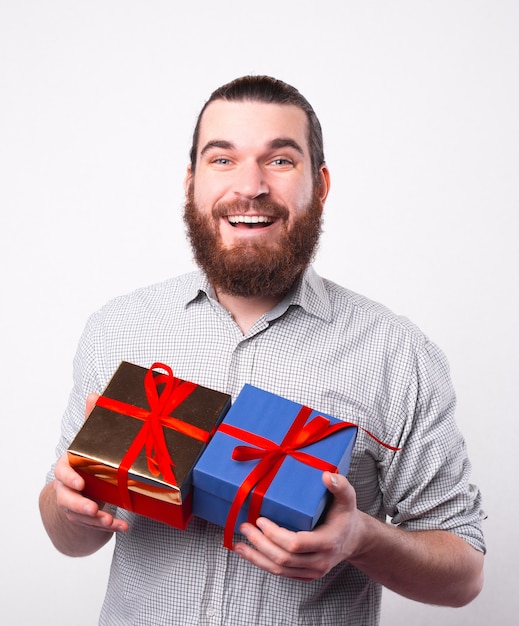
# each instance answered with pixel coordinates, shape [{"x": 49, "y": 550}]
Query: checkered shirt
[{"x": 322, "y": 346}]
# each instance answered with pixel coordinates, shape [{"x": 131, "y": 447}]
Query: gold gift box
[{"x": 124, "y": 449}]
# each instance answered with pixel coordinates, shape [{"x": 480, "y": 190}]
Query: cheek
[
  {"x": 297, "y": 193},
  {"x": 299, "y": 203},
  {"x": 208, "y": 191},
  {"x": 201, "y": 198},
  {"x": 201, "y": 193}
]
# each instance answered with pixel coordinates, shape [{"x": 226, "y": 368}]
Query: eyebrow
[
  {"x": 286, "y": 142},
  {"x": 217, "y": 143},
  {"x": 275, "y": 144}
]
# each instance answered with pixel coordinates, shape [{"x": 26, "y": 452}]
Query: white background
[{"x": 419, "y": 102}]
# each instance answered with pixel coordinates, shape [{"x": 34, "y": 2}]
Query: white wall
[{"x": 98, "y": 99}]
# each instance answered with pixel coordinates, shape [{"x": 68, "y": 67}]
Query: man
[{"x": 258, "y": 313}]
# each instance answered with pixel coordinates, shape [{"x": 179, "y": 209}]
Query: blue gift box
[{"x": 296, "y": 497}]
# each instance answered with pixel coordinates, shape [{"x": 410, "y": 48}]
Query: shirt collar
[
  {"x": 309, "y": 293},
  {"x": 197, "y": 285}
]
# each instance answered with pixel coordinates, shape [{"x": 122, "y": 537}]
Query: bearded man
[{"x": 258, "y": 313}]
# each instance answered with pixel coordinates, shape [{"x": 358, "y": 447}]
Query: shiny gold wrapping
[{"x": 102, "y": 443}]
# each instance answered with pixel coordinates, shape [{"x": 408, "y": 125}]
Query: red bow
[{"x": 151, "y": 434}]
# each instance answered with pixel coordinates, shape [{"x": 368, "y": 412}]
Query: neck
[{"x": 246, "y": 310}]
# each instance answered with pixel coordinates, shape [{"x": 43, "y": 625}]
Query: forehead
[{"x": 247, "y": 123}]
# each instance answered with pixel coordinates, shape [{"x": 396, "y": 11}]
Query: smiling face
[{"x": 253, "y": 211}]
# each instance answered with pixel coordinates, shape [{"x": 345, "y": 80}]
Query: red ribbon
[
  {"x": 151, "y": 434},
  {"x": 271, "y": 456}
]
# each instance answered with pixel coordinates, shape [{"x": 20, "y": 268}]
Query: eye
[
  {"x": 221, "y": 161},
  {"x": 282, "y": 162}
]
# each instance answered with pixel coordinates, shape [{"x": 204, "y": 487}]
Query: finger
[
  {"x": 90, "y": 403},
  {"x": 280, "y": 551},
  {"x": 336, "y": 483},
  {"x": 263, "y": 562},
  {"x": 67, "y": 475},
  {"x": 73, "y": 501},
  {"x": 292, "y": 542},
  {"x": 84, "y": 511},
  {"x": 341, "y": 489},
  {"x": 313, "y": 543},
  {"x": 68, "y": 485},
  {"x": 276, "y": 562},
  {"x": 102, "y": 520}
]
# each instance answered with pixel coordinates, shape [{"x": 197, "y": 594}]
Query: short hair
[{"x": 269, "y": 90}]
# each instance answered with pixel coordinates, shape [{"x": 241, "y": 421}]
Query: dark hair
[{"x": 269, "y": 90}]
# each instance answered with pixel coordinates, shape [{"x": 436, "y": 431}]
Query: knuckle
[
  {"x": 277, "y": 570},
  {"x": 293, "y": 545},
  {"x": 321, "y": 572},
  {"x": 281, "y": 560}
]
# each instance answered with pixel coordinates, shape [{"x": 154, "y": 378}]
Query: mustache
[{"x": 262, "y": 206}]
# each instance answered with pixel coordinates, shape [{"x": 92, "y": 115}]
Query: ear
[
  {"x": 188, "y": 179},
  {"x": 323, "y": 182}
]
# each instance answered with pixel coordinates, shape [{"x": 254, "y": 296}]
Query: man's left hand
[{"x": 307, "y": 555}]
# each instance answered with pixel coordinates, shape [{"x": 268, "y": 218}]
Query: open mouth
[{"x": 250, "y": 221}]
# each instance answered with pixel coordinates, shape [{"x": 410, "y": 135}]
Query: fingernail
[{"x": 333, "y": 478}]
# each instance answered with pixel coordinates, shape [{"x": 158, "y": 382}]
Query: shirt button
[{"x": 211, "y": 611}]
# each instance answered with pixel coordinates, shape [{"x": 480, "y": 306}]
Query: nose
[{"x": 250, "y": 181}]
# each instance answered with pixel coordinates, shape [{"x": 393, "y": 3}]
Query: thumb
[
  {"x": 90, "y": 403},
  {"x": 340, "y": 487}
]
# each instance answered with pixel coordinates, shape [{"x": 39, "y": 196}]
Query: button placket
[{"x": 217, "y": 558}]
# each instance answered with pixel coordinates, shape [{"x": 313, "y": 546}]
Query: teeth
[{"x": 249, "y": 219}]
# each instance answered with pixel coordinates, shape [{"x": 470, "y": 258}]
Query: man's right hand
[
  {"x": 76, "y": 525},
  {"x": 68, "y": 485}
]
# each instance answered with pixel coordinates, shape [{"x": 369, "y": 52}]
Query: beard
[{"x": 254, "y": 268}]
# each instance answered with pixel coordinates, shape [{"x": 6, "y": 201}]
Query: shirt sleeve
[
  {"x": 85, "y": 381},
  {"x": 426, "y": 484}
]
